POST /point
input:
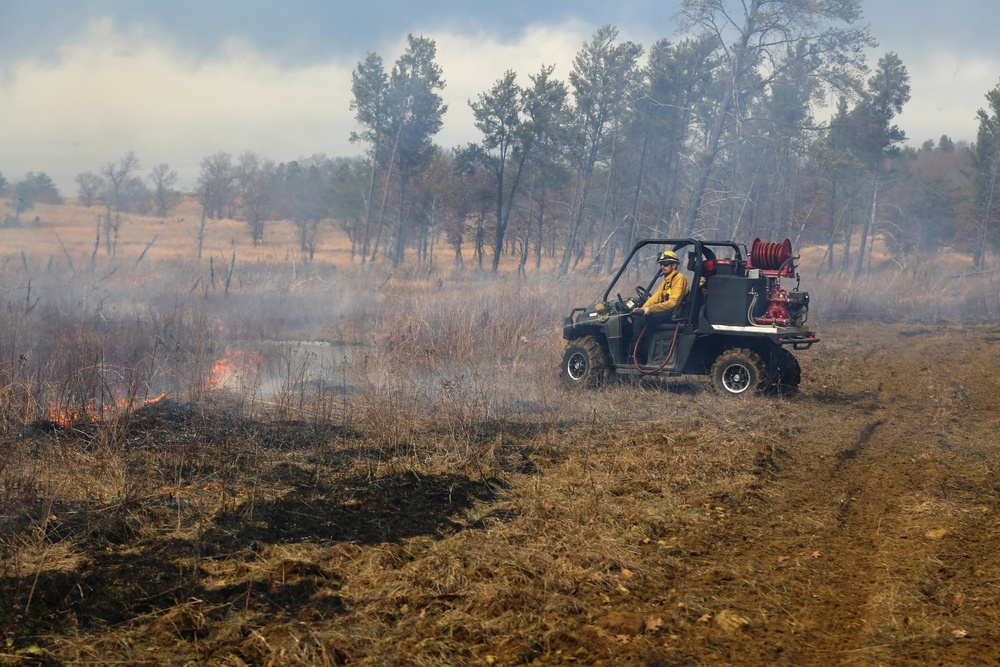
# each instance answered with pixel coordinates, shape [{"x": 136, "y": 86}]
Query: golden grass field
[
  {"x": 425, "y": 492},
  {"x": 75, "y": 227}
]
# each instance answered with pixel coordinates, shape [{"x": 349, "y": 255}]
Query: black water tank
[{"x": 730, "y": 298}]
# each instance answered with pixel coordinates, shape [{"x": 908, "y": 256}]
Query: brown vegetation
[{"x": 400, "y": 479}]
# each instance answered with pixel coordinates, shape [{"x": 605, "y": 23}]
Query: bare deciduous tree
[
  {"x": 165, "y": 197},
  {"x": 116, "y": 175}
]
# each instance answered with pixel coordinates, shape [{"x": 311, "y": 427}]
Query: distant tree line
[
  {"x": 712, "y": 136},
  {"x": 257, "y": 190},
  {"x": 24, "y": 194}
]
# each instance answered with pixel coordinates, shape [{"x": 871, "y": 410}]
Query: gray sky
[{"x": 84, "y": 81}]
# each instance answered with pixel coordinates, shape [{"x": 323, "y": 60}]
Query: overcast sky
[{"x": 84, "y": 81}]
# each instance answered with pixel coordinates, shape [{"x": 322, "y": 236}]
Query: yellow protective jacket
[{"x": 672, "y": 291}]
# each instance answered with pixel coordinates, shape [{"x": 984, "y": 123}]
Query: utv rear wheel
[
  {"x": 785, "y": 372},
  {"x": 738, "y": 372},
  {"x": 584, "y": 363}
]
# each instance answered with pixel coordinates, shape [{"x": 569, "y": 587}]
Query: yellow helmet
[{"x": 667, "y": 257}]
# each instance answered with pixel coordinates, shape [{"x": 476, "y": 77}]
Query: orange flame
[
  {"x": 238, "y": 365},
  {"x": 95, "y": 409}
]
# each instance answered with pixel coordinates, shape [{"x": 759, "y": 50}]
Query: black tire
[
  {"x": 739, "y": 372},
  {"x": 584, "y": 363},
  {"x": 785, "y": 372}
]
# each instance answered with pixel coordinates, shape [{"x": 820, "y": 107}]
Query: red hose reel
[
  {"x": 772, "y": 257},
  {"x": 774, "y": 260}
]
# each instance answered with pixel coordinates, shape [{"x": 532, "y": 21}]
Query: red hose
[
  {"x": 769, "y": 256},
  {"x": 670, "y": 352}
]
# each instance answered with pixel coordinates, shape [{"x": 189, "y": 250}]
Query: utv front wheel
[
  {"x": 738, "y": 372},
  {"x": 584, "y": 363}
]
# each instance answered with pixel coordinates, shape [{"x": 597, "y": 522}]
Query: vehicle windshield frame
[{"x": 677, "y": 245}]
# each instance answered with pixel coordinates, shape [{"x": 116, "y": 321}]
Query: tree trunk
[
  {"x": 633, "y": 231},
  {"x": 828, "y": 258},
  {"x": 385, "y": 196},
  {"x": 869, "y": 226},
  {"x": 541, "y": 220},
  {"x": 983, "y": 231},
  {"x": 397, "y": 255},
  {"x": 368, "y": 205},
  {"x": 577, "y": 221}
]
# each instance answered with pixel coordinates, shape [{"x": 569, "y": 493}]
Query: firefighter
[{"x": 672, "y": 290}]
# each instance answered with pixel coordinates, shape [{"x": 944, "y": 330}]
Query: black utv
[{"x": 737, "y": 324}]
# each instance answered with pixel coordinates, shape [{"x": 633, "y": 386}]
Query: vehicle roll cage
[{"x": 698, "y": 253}]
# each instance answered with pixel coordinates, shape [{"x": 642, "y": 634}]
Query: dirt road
[{"x": 874, "y": 537}]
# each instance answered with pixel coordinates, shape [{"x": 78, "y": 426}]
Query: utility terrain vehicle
[{"x": 736, "y": 326}]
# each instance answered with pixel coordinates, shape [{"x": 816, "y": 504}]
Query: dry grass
[
  {"x": 401, "y": 479},
  {"x": 440, "y": 550}
]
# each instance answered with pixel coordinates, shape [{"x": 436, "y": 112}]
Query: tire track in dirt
[
  {"x": 820, "y": 537},
  {"x": 853, "y": 451},
  {"x": 869, "y": 546}
]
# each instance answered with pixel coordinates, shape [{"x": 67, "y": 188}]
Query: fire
[
  {"x": 240, "y": 366},
  {"x": 95, "y": 409}
]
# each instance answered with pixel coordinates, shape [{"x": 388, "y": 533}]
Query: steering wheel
[{"x": 642, "y": 292}]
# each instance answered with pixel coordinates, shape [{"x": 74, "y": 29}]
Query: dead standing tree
[{"x": 116, "y": 175}]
